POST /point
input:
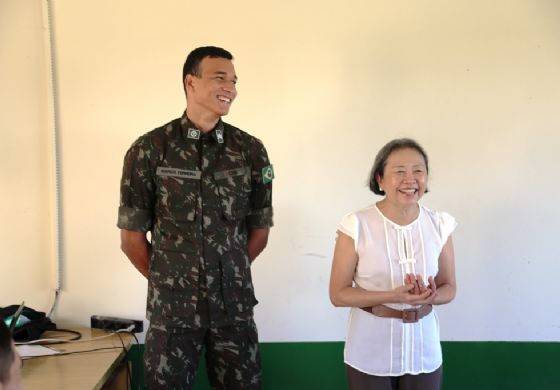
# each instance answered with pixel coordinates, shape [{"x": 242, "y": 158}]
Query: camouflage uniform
[{"x": 198, "y": 195}]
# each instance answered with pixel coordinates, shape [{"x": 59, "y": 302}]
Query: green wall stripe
[
  {"x": 501, "y": 365},
  {"x": 467, "y": 366}
]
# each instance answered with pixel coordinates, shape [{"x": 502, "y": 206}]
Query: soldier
[
  {"x": 202, "y": 188},
  {"x": 10, "y": 362}
]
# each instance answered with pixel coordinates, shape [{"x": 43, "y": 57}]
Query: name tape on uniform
[
  {"x": 232, "y": 172},
  {"x": 176, "y": 172}
]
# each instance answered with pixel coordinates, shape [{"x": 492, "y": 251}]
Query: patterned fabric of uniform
[
  {"x": 386, "y": 253},
  {"x": 197, "y": 194},
  {"x": 232, "y": 357}
]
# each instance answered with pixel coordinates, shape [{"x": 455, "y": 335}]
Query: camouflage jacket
[{"x": 198, "y": 195}]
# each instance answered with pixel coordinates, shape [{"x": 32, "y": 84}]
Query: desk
[{"x": 96, "y": 370}]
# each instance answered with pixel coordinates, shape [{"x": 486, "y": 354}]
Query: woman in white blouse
[{"x": 392, "y": 262}]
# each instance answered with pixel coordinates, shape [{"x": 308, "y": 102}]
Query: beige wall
[
  {"x": 324, "y": 86},
  {"x": 26, "y": 232}
]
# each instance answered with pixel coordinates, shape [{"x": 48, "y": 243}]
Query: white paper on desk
[{"x": 29, "y": 351}]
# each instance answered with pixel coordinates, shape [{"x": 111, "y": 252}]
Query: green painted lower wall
[{"x": 467, "y": 365}]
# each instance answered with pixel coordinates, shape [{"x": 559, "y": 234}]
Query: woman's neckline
[{"x": 395, "y": 223}]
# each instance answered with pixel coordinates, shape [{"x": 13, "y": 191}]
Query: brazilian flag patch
[{"x": 267, "y": 174}]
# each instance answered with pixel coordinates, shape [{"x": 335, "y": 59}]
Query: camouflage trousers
[{"x": 171, "y": 356}]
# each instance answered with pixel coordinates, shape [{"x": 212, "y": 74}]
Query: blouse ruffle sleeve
[
  {"x": 447, "y": 225},
  {"x": 349, "y": 226}
]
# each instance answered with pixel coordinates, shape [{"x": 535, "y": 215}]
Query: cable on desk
[
  {"x": 128, "y": 374},
  {"x": 47, "y": 341},
  {"x": 78, "y": 338},
  {"x": 71, "y": 353},
  {"x": 77, "y": 335},
  {"x": 129, "y": 331}
]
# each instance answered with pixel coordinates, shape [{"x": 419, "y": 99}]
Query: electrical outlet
[{"x": 116, "y": 323}]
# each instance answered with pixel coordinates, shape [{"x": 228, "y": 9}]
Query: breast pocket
[
  {"x": 176, "y": 211},
  {"x": 234, "y": 187}
]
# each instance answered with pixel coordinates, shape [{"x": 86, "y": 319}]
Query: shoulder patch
[{"x": 267, "y": 174}]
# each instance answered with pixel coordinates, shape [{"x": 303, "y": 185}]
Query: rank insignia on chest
[
  {"x": 220, "y": 136},
  {"x": 193, "y": 133},
  {"x": 267, "y": 174}
]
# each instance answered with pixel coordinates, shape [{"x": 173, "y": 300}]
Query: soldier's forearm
[
  {"x": 137, "y": 249},
  {"x": 256, "y": 242},
  {"x": 141, "y": 262}
]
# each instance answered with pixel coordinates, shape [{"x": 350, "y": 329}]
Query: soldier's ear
[{"x": 189, "y": 82}]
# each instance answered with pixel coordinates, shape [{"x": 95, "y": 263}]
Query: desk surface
[{"x": 88, "y": 370}]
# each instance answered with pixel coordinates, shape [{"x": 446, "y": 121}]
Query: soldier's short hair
[
  {"x": 7, "y": 354},
  {"x": 383, "y": 156},
  {"x": 192, "y": 63}
]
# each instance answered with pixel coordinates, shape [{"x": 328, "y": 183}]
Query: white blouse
[{"x": 386, "y": 253}]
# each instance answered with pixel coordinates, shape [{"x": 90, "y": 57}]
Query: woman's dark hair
[
  {"x": 382, "y": 156},
  {"x": 7, "y": 355}
]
